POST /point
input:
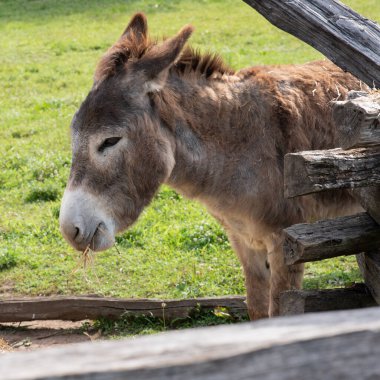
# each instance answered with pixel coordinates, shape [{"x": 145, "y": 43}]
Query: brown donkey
[{"x": 162, "y": 113}]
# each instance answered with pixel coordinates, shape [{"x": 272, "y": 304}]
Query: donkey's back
[
  {"x": 299, "y": 98},
  {"x": 278, "y": 110}
]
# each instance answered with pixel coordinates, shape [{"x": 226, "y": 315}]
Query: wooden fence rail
[
  {"x": 358, "y": 120},
  {"x": 295, "y": 302},
  {"x": 324, "y": 239},
  {"x": 335, "y": 345},
  {"x": 320, "y": 170},
  {"x": 80, "y": 308}
]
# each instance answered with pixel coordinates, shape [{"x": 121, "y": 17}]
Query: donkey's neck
[{"x": 203, "y": 116}]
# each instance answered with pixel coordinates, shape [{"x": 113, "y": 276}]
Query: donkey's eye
[{"x": 107, "y": 143}]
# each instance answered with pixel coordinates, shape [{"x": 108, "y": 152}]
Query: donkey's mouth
[
  {"x": 102, "y": 238},
  {"x": 99, "y": 238}
]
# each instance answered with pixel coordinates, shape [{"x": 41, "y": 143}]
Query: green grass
[{"x": 49, "y": 50}]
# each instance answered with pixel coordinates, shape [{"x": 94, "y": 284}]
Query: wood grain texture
[
  {"x": 294, "y": 302},
  {"x": 369, "y": 198},
  {"x": 318, "y": 170},
  {"x": 79, "y": 308},
  {"x": 324, "y": 239},
  {"x": 346, "y": 38},
  {"x": 369, "y": 264},
  {"x": 358, "y": 120},
  {"x": 338, "y": 345}
]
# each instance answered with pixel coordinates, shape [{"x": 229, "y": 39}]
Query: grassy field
[{"x": 49, "y": 49}]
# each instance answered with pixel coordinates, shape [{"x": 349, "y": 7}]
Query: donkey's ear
[
  {"x": 131, "y": 44},
  {"x": 157, "y": 61},
  {"x": 137, "y": 28}
]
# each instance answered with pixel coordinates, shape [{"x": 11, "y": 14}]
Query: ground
[{"x": 39, "y": 334}]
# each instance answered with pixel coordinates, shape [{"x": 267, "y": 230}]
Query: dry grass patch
[{"x": 4, "y": 346}]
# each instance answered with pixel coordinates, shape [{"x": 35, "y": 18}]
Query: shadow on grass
[
  {"x": 42, "y": 10},
  {"x": 130, "y": 325}
]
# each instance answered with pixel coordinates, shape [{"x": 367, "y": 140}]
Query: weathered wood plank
[
  {"x": 324, "y": 239},
  {"x": 318, "y": 170},
  {"x": 293, "y": 302},
  {"x": 358, "y": 120},
  {"x": 369, "y": 198},
  {"x": 369, "y": 264},
  {"x": 79, "y": 308},
  {"x": 341, "y": 344},
  {"x": 342, "y": 35}
]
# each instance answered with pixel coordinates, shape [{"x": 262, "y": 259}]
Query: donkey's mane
[
  {"x": 191, "y": 61},
  {"x": 203, "y": 65}
]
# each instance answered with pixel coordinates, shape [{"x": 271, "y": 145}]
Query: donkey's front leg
[
  {"x": 283, "y": 277},
  {"x": 257, "y": 274}
]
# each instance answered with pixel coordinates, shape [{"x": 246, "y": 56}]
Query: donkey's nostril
[
  {"x": 77, "y": 231},
  {"x": 73, "y": 232}
]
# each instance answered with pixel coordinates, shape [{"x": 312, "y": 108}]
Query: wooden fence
[{"x": 357, "y": 168}]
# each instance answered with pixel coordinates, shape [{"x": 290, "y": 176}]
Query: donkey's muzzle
[{"x": 84, "y": 223}]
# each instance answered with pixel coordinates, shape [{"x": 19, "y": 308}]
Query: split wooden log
[
  {"x": 324, "y": 239},
  {"x": 369, "y": 198},
  {"x": 293, "y": 302},
  {"x": 348, "y": 39},
  {"x": 358, "y": 120},
  {"x": 79, "y": 308},
  {"x": 369, "y": 264},
  {"x": 318, "y": 170},
  {"x": 338, "y": 345}
]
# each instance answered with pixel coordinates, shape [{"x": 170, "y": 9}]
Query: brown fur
[
  {"x": 213, "y": 134},
  {"x": 131, "y": 49}
]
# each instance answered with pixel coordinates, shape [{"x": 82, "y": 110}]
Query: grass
[
  {"x": 49, "y": 51},
  {"x": 130, "y": 325}
]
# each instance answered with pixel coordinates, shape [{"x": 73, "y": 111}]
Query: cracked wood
[
  {"x": 324, "y": 239},
  {"x": 318, "y": 170},
  {"x": 342, "y": 35},
  {"x": 358, "y": 120}
]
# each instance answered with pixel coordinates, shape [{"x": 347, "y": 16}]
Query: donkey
[{"x": 160, "y": 112}]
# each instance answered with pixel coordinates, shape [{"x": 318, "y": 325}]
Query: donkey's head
[{"x": 121, "y": 152}]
